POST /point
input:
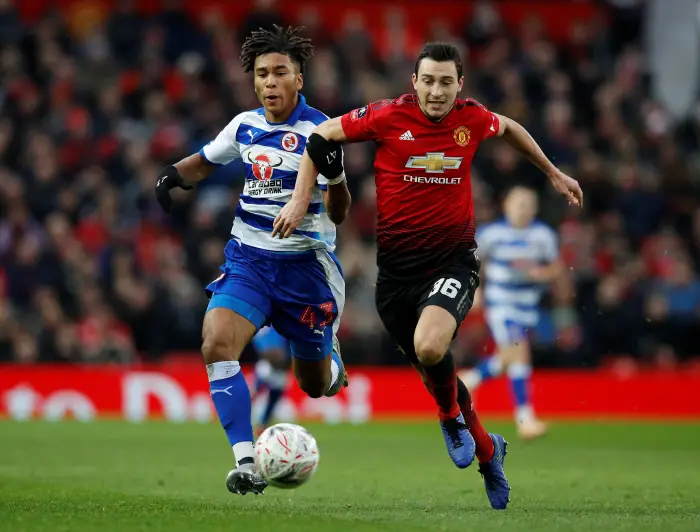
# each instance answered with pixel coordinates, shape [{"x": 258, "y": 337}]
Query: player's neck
[
  {"x": 520, "y": 225},
  {"x": 282, "y": 117},
  {"x": 435, "y": 120}
]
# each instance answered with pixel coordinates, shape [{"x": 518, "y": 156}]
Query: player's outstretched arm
[
  {"x": 518, "y": 137},
  {"x": 191, "y": 170},
  {"x": 323, "y": 155}
]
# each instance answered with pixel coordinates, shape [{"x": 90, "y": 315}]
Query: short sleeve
[
  {"x": 363, "y": 123},
  {"x": 488, "y": 122},
  {"x": 224, "y": 148}
]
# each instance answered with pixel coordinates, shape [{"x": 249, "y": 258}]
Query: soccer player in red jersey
[{"x": 428, "y": 271}]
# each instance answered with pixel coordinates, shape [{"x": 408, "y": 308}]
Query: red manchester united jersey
[{"x": 422, "y": 172}]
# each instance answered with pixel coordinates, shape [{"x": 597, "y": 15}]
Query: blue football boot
[
  {"x": 460, "y": 444},
  {"x": 342, "y": 380},
  {"x": 495, "y": 480}
]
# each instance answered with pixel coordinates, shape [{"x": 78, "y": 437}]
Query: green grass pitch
[{"x": 113, "y": 476}]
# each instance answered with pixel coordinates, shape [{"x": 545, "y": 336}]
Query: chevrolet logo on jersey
[{"x": 434, "y": 162}]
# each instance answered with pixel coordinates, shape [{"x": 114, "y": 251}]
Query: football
[{"x": 286, "y": 455}]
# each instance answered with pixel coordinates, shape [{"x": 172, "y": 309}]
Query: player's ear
[
  {"x": 300, "y": 81},
  {"x": 460, "y": 84},
  {"x": 414, "y": 78}
]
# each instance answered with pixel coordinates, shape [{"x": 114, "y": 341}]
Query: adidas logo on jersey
[{"x": 407, "y": 136}]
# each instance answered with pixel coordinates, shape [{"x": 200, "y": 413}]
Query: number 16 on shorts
[{"x": 447, "y": 287}]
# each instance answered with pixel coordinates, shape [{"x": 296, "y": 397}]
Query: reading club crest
[
  {"x": 290, "y": 142},
  {"x": 264, "y": 165},
  {"x": 462, "y": 136}
]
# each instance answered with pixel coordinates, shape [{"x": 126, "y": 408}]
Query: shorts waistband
[{"x": 287, "y": 256}]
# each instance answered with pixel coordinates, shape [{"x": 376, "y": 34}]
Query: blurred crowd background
[{"x": 95, "y": 100}]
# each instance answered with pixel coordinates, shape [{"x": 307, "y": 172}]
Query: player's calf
[
  {"x": 431, "y": 341},
  {"x": 482, "y": 439},
  {"x": 433, "y": 333},
  {"x": 326, "y": 376},
  {"x": 519, "y": 371},
  {"x": 487, "y": 369},
  {"x": 312, "y": 376},
  {"x": 225, "y": 334}
]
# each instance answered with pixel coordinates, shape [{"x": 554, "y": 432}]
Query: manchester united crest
[
  {"x": 263, "y": 165},
  {"x": 462, "y": 136}
]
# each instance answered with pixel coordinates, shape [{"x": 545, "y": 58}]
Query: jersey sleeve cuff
[
  {"x": 494, "y": 127},
  {"x": 337, "y": 180},
  {"x": 204, "y": 156}
]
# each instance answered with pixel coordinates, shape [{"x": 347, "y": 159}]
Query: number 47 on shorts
[
  {"x": 447, "y": 287},
  {"x": 309, "y": 317}
]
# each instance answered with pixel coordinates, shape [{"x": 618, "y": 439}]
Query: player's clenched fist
[
  {"x": 289, "y": 218},
  {"x": 168, "y": 179}
]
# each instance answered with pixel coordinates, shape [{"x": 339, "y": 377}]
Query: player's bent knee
[
  {"x": 314, "y": 388},
  {"x": 433, "y": 335},
  {"x": 217, "y": 349},
  {"x": 429, "y": 350},
  {"x": 313, "y": 376},
  {"x": 224, "y": 335}
]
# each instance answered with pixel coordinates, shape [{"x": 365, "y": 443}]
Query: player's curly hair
[{"x": 277, "y": 40}]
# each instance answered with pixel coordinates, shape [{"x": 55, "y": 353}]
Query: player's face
[
  {"x": 520, "y": 207},
  {"x": 277, "y": 83},
  {"x": 437, "y": 85}
]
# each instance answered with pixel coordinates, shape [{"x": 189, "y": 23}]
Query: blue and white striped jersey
[
  {"x": 271, "y": 153},
  {"x": 509, "y": 252}
]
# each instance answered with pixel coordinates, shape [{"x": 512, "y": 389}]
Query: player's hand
[
  {"x": 289, "y": 218},
  {"x": 539, "y": 274},
  {"x": 567, "y": 186},
  {"x": 168, "y": 179}
]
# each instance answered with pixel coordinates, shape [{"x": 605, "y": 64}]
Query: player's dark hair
[
  {"x": 279, "y": 40},
  {"x": 440, "y": 52}
]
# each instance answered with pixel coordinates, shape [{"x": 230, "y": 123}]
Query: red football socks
[
  {"x": 441, "y": 381},
  {"x": 484, "y": 444}
]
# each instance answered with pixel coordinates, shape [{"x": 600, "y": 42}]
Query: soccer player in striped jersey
[
  {"x": 296, "y": 284},
  {"x": 521, "y": 255}
]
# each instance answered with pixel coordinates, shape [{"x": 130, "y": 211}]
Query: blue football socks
[{"x": 231, "y": 396}]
